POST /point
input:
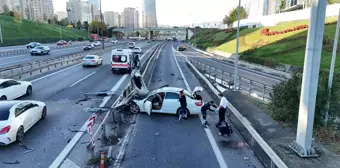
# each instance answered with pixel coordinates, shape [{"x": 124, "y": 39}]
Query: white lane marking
[
  {"x": 63, "y": 154},
  {"x": 43, "y": 77},
  {"x": 14, "y": 61},
  {"x": 148, "y": 50},
  {"x": 83, "y": 79},
  {"x": 69, "y": 164},
  {"x": 212, "y": 141}
]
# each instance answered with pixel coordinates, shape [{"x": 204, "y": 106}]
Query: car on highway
[
  {"x": 137, "y": 50},
  {"x": 17, "y": 117},
  {"x": 149, "y": 41},
  {"x": 165, "y": 100},
  {"x": 32, "y": 45},
  {"x": 181, "y": 48},
  {"x": 40, "y": 50},
  {"x": 131, "y": 45},
  {"x": 121, "y": 60},
  {"x": 88, "y": 47},
  {"x": 11, "y": 89},
  {"x": 92, "y": 60},
  {"x": 114, "y": 41},
  {"x": 97, "y": 43},
  {"x": 62, "y": 42}
]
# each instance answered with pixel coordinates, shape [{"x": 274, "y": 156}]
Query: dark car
[
  {"x": 40, "y": 50},
  {"x": 181, "y": 48},
  {"x": 32, "y": 45},
  {"x": 88, "y": 47},
  {"x": 62, "y": 42}
]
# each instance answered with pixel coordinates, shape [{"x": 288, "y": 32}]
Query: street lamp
[
  {"x": 101, "y": 21},
  {"x": 236, "y": 79},
  {"x": 68, "y": 12}
]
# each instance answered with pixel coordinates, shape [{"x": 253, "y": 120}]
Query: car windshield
[
  {"x": 119, "y": 58},
  {"x": 39, "y": 47},
  {"x": 89, "y": 57}
]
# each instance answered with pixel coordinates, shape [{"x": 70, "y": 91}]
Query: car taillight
[
  {"x": 5, "y": 129},
  {"x": 198, "y": 103}
]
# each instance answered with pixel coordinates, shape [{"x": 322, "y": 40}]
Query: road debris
[
  {"x": 84, "y": 99},
  {"x": 16, "y": 162},
  {"x": 157, "y": 133},
  {"x": 246, "y": 158},
  {"x": 27, "y": 148},
  {"x": 75, "y": 130}
]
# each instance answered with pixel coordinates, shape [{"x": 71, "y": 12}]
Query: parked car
[
  {"x": 11, "y": 89},
  {"x": 17, "y": 117},
  {"x": 40, "y": 50},
  {"x": 88, "y": 47},
  {"x": 32, "y": 45},
  {"x": 62, "y": 42},
  {"x": 92, "y": 60}
]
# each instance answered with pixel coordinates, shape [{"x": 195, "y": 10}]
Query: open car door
[{"x": 148, "y": 106}]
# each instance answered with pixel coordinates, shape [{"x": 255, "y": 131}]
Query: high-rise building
[
  {"x": 95, "y": 9},
  {"x": 116, "y": 19},
  {"x": 78, "y": 11},
  {"x": 149, "y": 14},
  {"x": 130, "y": 18},
  {"x": 109, "y": 18},
  {"x": 39, "y": 9},
  {"x": 121, "y": 20},
  {"x": 61, "y": 15},
  {"x": 136, "y": 19}
]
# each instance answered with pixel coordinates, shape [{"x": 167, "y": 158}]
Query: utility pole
[
  {"x": 1, "y": 39},
  {"x": 101, "y": 21},
  {"x": 236, "y": 78},
  {"x": 60, "y": 32},
  {"x": 331, "y": 70},
  {"x": 303, "y": 143}
]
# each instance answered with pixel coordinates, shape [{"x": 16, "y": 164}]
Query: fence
[
  {"x": 255, "y": 142},
  {"x": 226, "y": 79}
]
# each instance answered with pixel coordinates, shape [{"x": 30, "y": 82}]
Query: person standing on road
[
  {"x": 207, "y": 106},
  {"x": 136, "y": 61},
  {"x": 222, "y": 109},
  {"x": 183, "y": 108}
]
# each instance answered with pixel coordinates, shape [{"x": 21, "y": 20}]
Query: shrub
[{"x": 284, "y": 104}]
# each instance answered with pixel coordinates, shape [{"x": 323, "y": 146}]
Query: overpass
[{"x": 187, "y": 31}]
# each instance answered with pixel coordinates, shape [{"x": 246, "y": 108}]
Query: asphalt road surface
[
  {"x": 254, "y": 76},
  {"x": 7, "y": 61},
  {"x": 60, "y": 90},
  {"x": 158, "y": 141}
]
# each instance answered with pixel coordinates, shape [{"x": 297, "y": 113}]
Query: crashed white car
[{"x": 162, "y": 100}]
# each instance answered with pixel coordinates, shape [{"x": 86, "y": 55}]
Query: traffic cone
[{"x": 101, "y": 159}]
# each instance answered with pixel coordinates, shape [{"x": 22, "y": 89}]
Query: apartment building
[{"x": 79, "y": 11}]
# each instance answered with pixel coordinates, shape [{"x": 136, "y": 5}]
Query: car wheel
[
  {"x": 31, "y": 53},
  {"x": 20, "y": 134},
  {"x": 134, "y": 108},
  {"x": 44, "y": 112},
  {"x": 84, "y": 66},
  {"x": 29, "y": 90},
  {"x": 48, "y": 52},
  {"x": 3, "y": 98}
]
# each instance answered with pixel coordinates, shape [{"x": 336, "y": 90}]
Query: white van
[
  {"x": 131, "y": 45},
  {"x": 121, "y": 60}
]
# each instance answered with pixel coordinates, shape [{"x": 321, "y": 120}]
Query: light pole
[
  {"x": 101, "y": 22},
  {"x": 331, "y": 71},
  {"x": 236, "y": 79},
  {"x": 68, "y": 12}
]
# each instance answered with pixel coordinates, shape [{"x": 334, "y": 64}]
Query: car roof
[
  {"x": 170, "y": 89},
  {"x": 91, "y": 55}
]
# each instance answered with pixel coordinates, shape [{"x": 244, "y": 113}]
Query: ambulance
[{"x": 121, "y": 60}]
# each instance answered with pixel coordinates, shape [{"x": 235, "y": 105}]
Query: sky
[{"x": 171, "y": 12}]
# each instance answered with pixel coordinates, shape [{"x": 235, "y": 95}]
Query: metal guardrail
[
  {"x": 29, "y": 69},
  {"x": 256, "y": 139},
  {"x": 26, "y": 51},
  {"x": 226, "y": 79}
]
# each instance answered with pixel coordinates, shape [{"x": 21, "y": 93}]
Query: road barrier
[
  {"x": 253, "y": 88},
  {"x": 256, "y": 141},
  {"x": 26, "y": 51}
]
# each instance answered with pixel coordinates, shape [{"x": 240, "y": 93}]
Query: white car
[
  {"x": 92, "y": 60},
  {"x": 11, "y": 89},
  {"x": 169, "y": 103},
  {"x": 17, "y": 117},
  {"x": 137, "y": 50},
  {"x": 97, "y": 43},
  {"x": 114, "y": 41}
]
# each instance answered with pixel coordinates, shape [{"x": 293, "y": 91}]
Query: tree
[
  {"x": 225, "y": 19},
  {"x": 282, "y": 5},
  {"x": 55, "y": 20},
  {"x": 333, "y": 1},
  {"x": 27, "y": 12},
  {"x": 17, "y": 19},
  {"x": 232, "y": 17},
  {"x": 97, "y": 26},
  {"x": 86, "y": 25},
  {"x": 49, "y": 21},
  {"x": 79, "y": 24},
  {"x": 64, "y": 22},
  {"x": 11, "y": 13}
]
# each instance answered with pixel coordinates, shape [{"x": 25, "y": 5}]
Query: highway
[
  {"x": 248, "y": 74},
  {"x": 20, "y": 47},
  {"x": 6, "y": 61},
  {"x": 60, "y": 90},
  {"x": 158, "y": 141}
]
